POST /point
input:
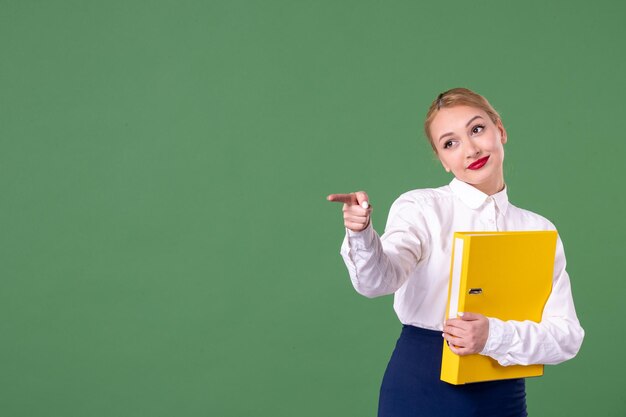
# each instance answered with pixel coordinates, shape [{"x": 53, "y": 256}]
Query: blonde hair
[{"x": 457, "y": 97}]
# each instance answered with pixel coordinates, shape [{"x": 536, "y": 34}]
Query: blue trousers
[{"x": 411, "y": 386}]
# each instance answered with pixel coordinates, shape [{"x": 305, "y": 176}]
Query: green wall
[{"x": 165, "y": 244}]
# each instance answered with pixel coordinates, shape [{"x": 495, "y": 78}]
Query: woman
[{"x": 412, "y": 260}]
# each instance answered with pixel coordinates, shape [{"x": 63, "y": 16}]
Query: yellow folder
[{"x": 507, "y": 275}]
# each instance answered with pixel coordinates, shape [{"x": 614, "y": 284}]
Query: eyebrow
[{"x": 466, "y": 124}]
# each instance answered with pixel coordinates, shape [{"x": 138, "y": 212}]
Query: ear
[{"x": 502, "y": 130}]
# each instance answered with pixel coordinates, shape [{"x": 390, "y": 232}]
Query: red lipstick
[{"x": 478, "y": 164}]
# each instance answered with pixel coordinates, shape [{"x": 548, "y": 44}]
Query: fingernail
[
  {"x": 460, "y": 314},
  {"x": 365, "y": 204}
]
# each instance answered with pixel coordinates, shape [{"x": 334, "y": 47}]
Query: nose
[{"x": 471, "y": 150}]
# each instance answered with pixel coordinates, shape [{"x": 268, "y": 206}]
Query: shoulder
[
  {"x": 417, "y": 210},
  {"x": 425, "y": 196},
  {"x": 530, "y": 218}
]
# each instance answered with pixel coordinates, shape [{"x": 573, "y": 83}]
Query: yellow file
[{"x": 507, "y": 275}]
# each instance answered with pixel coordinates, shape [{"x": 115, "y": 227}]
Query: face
[{"x": 470, "y": 146}]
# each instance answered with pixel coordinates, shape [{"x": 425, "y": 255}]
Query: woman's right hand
[{"x": 356, "y": 209}]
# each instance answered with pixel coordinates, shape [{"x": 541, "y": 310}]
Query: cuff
[
  {"x": 498, "y": 337},
  {"x": 362, "y": 239}
]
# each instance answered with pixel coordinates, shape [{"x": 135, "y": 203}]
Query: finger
[
  {"x": 362, "y": 199},
  {"x": 463, "y": 347},
  {"x": 457, "y": 323},
  {"x": 355, "y": 227},
  {"x": 457, "y": 341},
  {"x": 455, "y": 331},
  {"x": 453, "y": 349},
  {"x": 470, "y": 316},
  {"x": 343, "y": 198},
  {"x": 455, "y": 344},
  {"x": 461, "y": 351},
  {"x": 355, "y": 219},
  {"x": 458, "y": 345},
  {"x": 355, "y": 210}
]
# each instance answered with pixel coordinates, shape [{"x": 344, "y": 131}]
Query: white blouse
[{"x": 412, "y": 260}]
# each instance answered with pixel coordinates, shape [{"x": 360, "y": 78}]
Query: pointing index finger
[{"x": 343, "y": 198}]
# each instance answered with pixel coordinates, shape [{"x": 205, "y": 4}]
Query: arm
[
  {"x": 380, "y": 265},
  {"x": 555, "y": 339}
]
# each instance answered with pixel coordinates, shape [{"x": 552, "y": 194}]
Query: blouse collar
[{"x": 474, "y": 198}]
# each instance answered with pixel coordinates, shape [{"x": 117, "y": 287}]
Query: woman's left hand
[{"x": 467, "y": 334}]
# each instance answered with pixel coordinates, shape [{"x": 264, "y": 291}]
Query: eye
[
  {"x": 448, "y": 144},
  {"x": 477, "y": 129}
]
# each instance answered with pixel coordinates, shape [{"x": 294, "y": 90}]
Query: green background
[{"x": 165, "y": 244}]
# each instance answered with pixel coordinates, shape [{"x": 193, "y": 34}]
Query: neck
[{"x": 491, "y": 188}]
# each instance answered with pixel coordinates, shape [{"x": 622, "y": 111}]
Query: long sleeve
[
  {"x": 555, "y": 339},
  {"x": 379, "y": 266}
]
